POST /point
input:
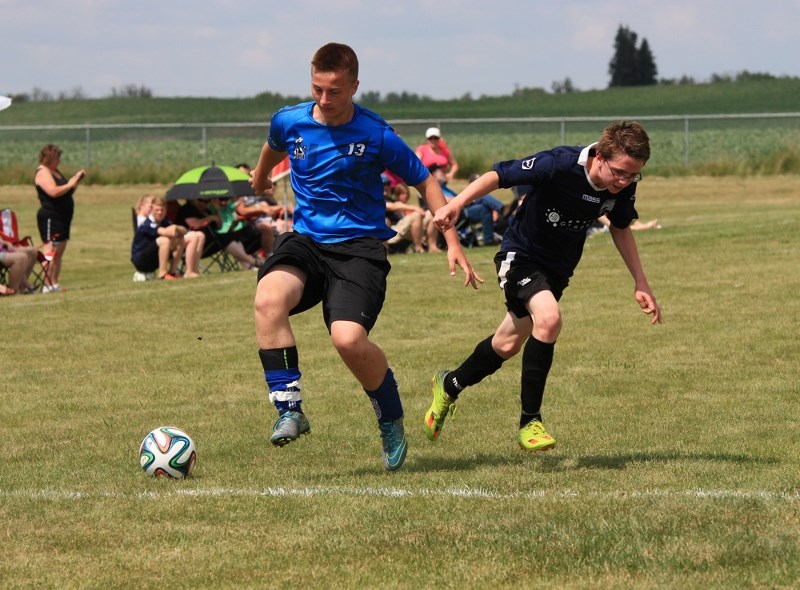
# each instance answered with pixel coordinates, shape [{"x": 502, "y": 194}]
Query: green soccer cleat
[
  {"x": 533, "y": 437},
  {"x": 288, "y": 427},
  {"x": 434, "y": 419},
  {"x": 395, "y": 445}
]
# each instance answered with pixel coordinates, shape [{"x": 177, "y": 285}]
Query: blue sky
[{"x": 438, "y": 48}]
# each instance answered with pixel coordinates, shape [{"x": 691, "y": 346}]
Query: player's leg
[
  {"x": 278, "y": 292},
  {"x": 351, "y": 308},
  {"x": 486, "y": 359},
  {"x": 537, "y": 358}
]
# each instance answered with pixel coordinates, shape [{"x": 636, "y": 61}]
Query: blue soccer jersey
[
  {"x": 336, "y": 171},
  {"x": 550, "y": 225}
]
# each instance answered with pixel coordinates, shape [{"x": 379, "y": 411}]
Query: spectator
[
  {"x": 253, "y": 238},
  {"x": 159, "y": 245},
  {"x": 19, "y": 261},
  {"x": 200, "y": 215},
  {"x": 54, "y": 217},
  {"x": 402, "y": 217},
  {"x": 436, "y": 151},
  {"x": 265, "y": 209}
]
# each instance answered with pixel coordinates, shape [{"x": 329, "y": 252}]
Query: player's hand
[
  {"x": 456, "y": 256},
  {"x": 261, "y": 187},
  {"x": 446, "y": 216},
  {"x": 648, "y": 304}
]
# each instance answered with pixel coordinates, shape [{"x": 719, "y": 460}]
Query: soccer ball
[{"x": 167, "y": 452}]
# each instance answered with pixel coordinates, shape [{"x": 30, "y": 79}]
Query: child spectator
[{"x": 160, "y": 245}]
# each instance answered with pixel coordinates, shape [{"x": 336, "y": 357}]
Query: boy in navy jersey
[
  {"x": 569, "y": 187},
  {"x": 337, "y": 151}
]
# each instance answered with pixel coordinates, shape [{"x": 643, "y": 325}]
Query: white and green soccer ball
[{"x": 167, "y": 452}]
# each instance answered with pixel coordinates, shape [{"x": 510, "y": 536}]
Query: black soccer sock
[
  {"x": 481, "y": 363},
  {"x": 537, "y": 357}
]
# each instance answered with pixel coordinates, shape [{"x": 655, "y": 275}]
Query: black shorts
[
  {"x": 52, "y": 226},
  {"x": 349, "y": 278},
  {"x": 521, "y": 278},
  {"x": 147, "y": 259}
]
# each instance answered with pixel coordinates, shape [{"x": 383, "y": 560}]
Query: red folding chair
[{"x": 9, "y": 231}]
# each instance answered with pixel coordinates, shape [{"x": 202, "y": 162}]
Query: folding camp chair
[
  {"x": 10, "y": 233},
  {"x": 217, "y": 255}
]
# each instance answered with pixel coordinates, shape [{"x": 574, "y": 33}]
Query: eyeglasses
[{"x": 622, "y": 175}]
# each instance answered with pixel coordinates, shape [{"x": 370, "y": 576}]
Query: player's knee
[{"x": 547, "y": 326}]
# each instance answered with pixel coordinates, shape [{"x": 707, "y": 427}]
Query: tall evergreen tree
[
  {"x": 647, "y": 70},
  {"x": 631, "y": 66}
]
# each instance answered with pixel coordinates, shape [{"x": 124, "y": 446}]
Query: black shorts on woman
[{"x": 349, "y": 277}]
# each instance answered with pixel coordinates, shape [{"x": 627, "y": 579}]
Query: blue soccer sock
[
  {"x": 282, "y": 375},
  {"x": 386, "y": 399}
]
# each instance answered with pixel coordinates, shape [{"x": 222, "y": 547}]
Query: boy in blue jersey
[
  {"x": 569, "y": 188},
  {"x": 335, "y": 255}
]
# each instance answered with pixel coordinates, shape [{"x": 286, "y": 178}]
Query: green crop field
[
  {"x": 759, "y": 145},
  {"x": 677, "y": 459}
]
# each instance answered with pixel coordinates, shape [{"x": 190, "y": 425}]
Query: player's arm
[
  {"x": 626, "y": 245},
  {"x": 432, "y": 193},
  {"x": 447, "y": 216},
  {"x": 268, "y": 159}
]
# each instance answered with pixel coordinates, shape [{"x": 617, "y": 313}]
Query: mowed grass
[{"x": 677, "y": 459}]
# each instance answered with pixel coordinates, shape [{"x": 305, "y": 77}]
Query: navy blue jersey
[
  {"x": 336, "y": 171},
  {"x": 550, "y": 225},
  {"x": 146, "y": 233}
]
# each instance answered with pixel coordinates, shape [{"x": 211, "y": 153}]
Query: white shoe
[{"x": 53, "y": 289}]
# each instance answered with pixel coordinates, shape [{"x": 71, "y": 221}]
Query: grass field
[{"x": 678, "y": 455}]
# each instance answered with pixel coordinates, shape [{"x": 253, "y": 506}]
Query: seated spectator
[
  {"x": 19, "y": 261},
  {"x": 159, "y": 245},
  {"x": 202, "y": 216},
  {"x": 267, "y": 211},
  {"x": 487, "y": 211},
  {"x": 403, "y": 218}
]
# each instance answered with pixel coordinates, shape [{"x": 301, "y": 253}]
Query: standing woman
[{"x": 55, "y": 214}]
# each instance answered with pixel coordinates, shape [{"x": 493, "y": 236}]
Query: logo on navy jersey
[
  {"x": 591, "y": 198},
  {"x": 528, "y": 164},
  {"x": 299, "y": 151}
]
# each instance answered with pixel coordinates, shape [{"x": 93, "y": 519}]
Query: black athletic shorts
[
  {"x": 349, "y": 278},
  {"x": 521, "y": 278},
  {"x": 52, "y": 226}
]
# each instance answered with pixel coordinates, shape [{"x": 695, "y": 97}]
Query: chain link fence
[{"x": 157, "y": 153}]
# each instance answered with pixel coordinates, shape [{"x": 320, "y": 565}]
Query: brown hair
[
  {"x": 49, "y": 153},
  {"x": 624, "y": 138},
  {"x": 336, "y": 57}
]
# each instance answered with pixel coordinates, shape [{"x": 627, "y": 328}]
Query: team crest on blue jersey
[{"x": 299, "y": 152}]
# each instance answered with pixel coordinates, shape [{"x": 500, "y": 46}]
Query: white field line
[{"x": 387, "y": 492}]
